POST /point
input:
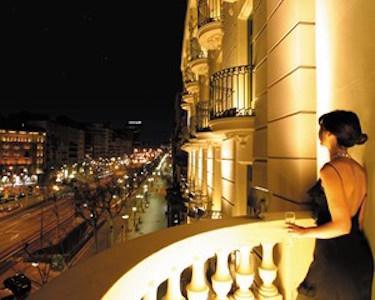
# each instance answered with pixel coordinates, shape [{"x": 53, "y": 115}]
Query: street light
[
  {"x": 134, "y": 210},
  {"x": 125, "y": 229}
]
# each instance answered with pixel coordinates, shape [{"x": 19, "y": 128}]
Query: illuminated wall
[
  {"x": 235, "y": 40},
  {"x": 228, "y": 176},
  {"x": 217, "y": 179},
  {"x": 284, "y": 90},
  {"x": 20, "y": 149},
  {"x": 210, "y": 170},
  {"x": 346, "y": 76}
]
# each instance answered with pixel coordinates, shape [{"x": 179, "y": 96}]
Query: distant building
[
  {"x": 98, "y": 137},
  {"x": 65, "y": 144},
  {"x": 133, "y": 131},
  {"x": 22, "y": 149},
  {"x": 119, "y": 145}
]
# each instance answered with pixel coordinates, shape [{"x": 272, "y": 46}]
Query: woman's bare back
[{"x": 354, "y": 181}]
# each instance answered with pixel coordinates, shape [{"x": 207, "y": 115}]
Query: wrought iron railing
[
  {"x": 209, "y": 11},
  {"x": 189, "y": 76},
  {"x": 195, "y": 50},
  {"x": 230, "y": 93},
  {"x": 203, "y": 116},
  {"x": 192, "y": 125}
]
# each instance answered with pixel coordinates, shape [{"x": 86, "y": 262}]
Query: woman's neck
[{"x": 337, "y": 151}]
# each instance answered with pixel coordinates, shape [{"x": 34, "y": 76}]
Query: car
[
  {"x": 19, "y": 284},
  {"x": 10, "y": 198}
]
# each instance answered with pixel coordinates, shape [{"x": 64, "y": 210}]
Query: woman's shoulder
[
  {"x": 343, "y": 162},
  {"x": 343, "y": 167}
]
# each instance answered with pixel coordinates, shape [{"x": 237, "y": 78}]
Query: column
[
  {"x": 244, "y": 275},
  {"x": 204, "y": 175},
  {"x": 216, "y": 195},
  {"x": 222, "y": 280},
  {"x": 173, "y": 289},
  {"x": 198, "y": 289},
  {"x": 268, "y": 273}
]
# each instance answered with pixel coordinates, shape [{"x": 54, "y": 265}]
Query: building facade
[
  {"x": 65, "y": 144},
  {"x": 22, "y": 149},
  {"x": 119, "y": 145},
  {"x": 98, "y": 137},
  {"x": 257, "y": 75}
]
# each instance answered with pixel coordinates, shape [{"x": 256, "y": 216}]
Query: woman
[{"x": 343, "y": 265}]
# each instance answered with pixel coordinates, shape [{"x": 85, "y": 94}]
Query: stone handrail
[{"x": 134, "y": 270}]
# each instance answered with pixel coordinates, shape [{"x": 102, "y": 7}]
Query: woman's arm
[{"x": 337, "y": 205}]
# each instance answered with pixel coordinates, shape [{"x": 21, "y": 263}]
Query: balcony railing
[
  {"x": 209, "y": 11},
  {"x": 230, "y": 92},
  {"x": 224, "y": 257},
  {"x": 195, "y": 50},
  {"x": 192, "y": 125},
  {"x": 189, "y": 76},
  {"x": 203, "y": 116}
]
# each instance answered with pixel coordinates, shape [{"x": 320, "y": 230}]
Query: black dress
[{"x": 342, "y": 268}]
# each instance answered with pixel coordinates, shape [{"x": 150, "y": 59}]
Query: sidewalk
[{"x": 152, "y": 219}]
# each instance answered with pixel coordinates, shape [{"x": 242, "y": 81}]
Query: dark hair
[{"x": 345, "y": 126}]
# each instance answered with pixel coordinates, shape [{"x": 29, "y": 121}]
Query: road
[{"x": 16, "y": 230}]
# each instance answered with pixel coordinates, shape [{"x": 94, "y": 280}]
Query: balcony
[
  {"x": 230, "y": 91},
  {"x": 210, "y": 26},
  {"x": 188, "y": 98},
  {"x": 231, "y": 103},
  {"x": 185, "y": 106},
  {"x": 192, "y": 126},
  {"x": 202, "y": 117},
  {"x": 191, "y": 83},
  {"x": 192, "y": 87},
  {"x": 232, "y": 257},
  {"x": 199, "y": 64}
]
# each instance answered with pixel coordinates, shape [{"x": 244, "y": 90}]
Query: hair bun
[{"x": 362, "y": 139}]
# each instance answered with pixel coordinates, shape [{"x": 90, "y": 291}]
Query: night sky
[{"x": 93, "y": 61}]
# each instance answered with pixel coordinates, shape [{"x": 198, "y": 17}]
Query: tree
[
  {"x": 104, "y": 202},
  {"x": 88, "y": 207}
]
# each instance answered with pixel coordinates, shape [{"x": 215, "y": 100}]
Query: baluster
[
  {"x": 228, "y": 90},
  {"x": 198, "y": 289},
  {"x": 152, "y": 293},
  {"x": 244, "y": 275},
  {"x": 222, "y": 87},
  {"x": 242, "y": 106},
  {"x": 268, "y": 272},
  {"x": 247, "y": 91},
  {"x": 173, "y": 289},
  {"x": 222, "y": 280}
]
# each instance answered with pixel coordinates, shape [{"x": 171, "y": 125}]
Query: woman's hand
[{"x": 296, "y": 231}]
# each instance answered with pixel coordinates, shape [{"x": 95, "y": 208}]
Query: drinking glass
[{"x": 290, "y": 217}]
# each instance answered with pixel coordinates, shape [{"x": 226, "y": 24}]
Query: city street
[
  {"x": 47, "y": 223},
  {"x": 17, "y": 230},
  {"x": 152, "y": 219}
]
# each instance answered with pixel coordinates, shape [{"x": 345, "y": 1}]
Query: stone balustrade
[{"x": 238, "y": 258}]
